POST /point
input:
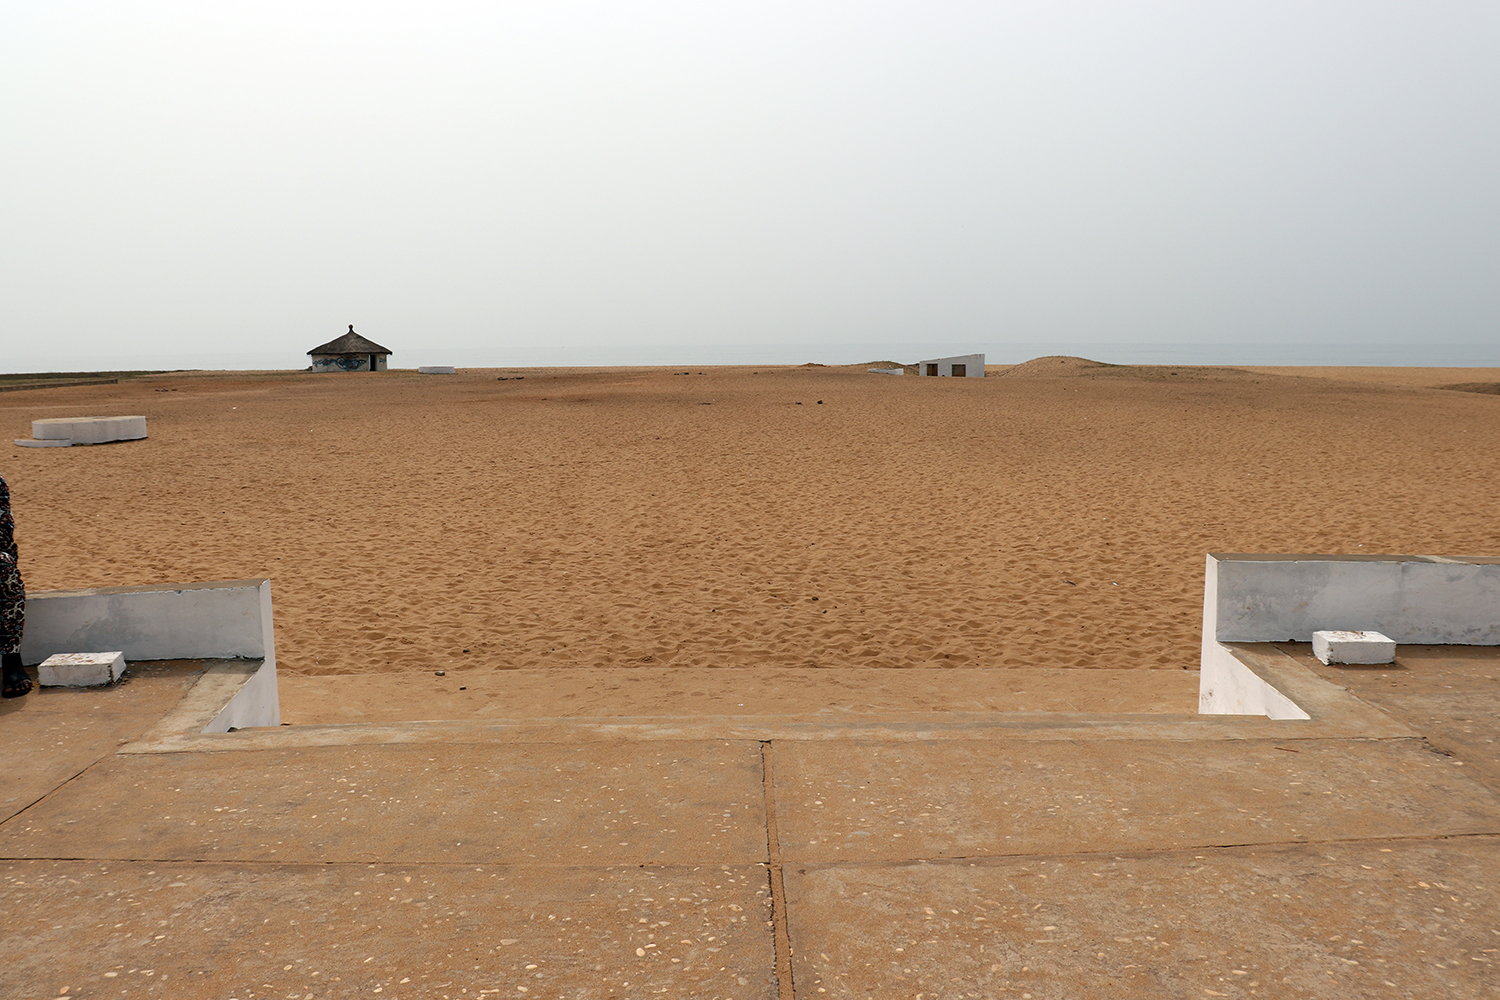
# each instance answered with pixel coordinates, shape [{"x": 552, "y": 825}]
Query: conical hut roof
[{"x": 350, "y": 343}]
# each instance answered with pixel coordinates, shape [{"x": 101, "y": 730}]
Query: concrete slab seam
[
  {"x": 980, "y": 860},
  {"x": 780, "y": 932},
  {"x": 976, "y": 860},
  {"x": 51, "y": 792},
  {"x": 398, "y": 863}
]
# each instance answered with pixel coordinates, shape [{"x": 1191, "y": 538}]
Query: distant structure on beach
[
  {"x": 962, "y": 366},
  {"x": 349, "y": 353}
]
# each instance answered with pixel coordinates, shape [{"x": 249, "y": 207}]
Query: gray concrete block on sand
[
  {"x": 1373, "y": 919},
  {"x": 600, "y": 803},
  {"x": 211, "y": 931},
  {"x": 894, "y": 802},
  {"x": 89, "y": 430},
  {"x": 81, "y": 669},
  {"x": 1356, "y": 647}
]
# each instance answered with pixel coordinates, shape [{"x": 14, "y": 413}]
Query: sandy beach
[{"x": 540, "y": 534}]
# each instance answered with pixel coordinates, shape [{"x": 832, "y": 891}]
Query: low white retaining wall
[
  {"x": 229, "y": 619},
  {"x": 1424, "y": 599},
  {"x": 1286, "y": 598}
]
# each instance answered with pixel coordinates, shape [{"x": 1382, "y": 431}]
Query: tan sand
[
  {"x": 606, "y": 520},
  {"x": 1424, "y": 377},
  {"x": 607, "y": 692}
]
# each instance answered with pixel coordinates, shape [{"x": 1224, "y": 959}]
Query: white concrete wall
[
  {"x": 256, "y": 703},
  {"x": 1226, "y": 686},
  {"x": 1411, "y": 599},
  {"x": 1271, "y": 598},
  {"x": 974, "y": 365},
  {"x": 224, "y": 620}
]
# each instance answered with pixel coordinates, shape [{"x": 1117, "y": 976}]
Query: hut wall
[{"x": 347, "y": 363}]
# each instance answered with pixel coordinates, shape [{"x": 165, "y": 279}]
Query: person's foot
[{"x": 16, "y": 680}]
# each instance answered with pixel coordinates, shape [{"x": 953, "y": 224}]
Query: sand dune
[{"x": 790, "y": 518}]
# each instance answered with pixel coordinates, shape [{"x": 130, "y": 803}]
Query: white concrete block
[
  {"x": 89, "y": 430},
  {"x": 81, "y": 669},
  {"x": 436, "y": 370},
  {"x": 886, "y": 371},
  {"x": 1344, "y": 646},
  {"x": 29, "y": 443}
]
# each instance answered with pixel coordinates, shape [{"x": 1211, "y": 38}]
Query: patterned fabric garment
[{"x": 12, "y": 588}]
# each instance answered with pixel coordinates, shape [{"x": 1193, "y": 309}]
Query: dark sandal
[{"x": 16, "y": 683}]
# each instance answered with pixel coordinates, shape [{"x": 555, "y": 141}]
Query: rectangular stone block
[
  {"x": 1339, "y": 646},
  {"x": 89, "y": 430},
  {"x": 81, "y": 669},
  {"x": 436, "y": 370}
]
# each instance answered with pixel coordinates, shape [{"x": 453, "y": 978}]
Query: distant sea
[{"x": 996, "y": 353}]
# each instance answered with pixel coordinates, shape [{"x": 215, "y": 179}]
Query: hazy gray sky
[{"x": 507, "y": 176}]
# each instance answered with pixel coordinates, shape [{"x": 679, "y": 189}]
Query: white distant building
[{"x": 962, "y": 366}]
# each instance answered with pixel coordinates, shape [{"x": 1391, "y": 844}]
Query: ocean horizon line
[{"x": 1467, "y": 355}]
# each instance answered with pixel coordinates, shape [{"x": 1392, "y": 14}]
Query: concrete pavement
[{"x": 1059, "y": 855}]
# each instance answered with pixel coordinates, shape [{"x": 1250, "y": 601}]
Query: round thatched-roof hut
[{"x": 349, "y": 353}]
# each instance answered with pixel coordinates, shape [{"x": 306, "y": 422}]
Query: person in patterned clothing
[{"x": 12, "y": 603}]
